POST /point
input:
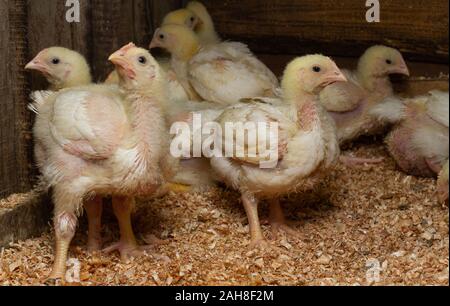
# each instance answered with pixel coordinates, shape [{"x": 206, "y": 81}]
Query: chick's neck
[
  {"x": 375, "y": 83},
  {"x": 305, "y": 107},
  {"x": 143, "y": 107},
  {"x": 74, "y": 80}
]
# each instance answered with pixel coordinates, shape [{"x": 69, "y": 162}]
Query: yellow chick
[
  {"x": 196, "y": 17},
  {"x": 305, "y": 145},
  {"x": 62, "y": 67},
  {"x": 223, "y": 73}
]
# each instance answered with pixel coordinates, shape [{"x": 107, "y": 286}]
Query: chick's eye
[
  {"x": 55, "y": 61},
  {"x": 389, "y": 62},
  {"x": 161, "y": 36},
  {"x": 142, "y": 60},
  {"x": 316, "y": 69},
  {"x": 192, "y": 19}
]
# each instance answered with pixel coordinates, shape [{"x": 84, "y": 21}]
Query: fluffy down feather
[{"x": 228, "y": 72}]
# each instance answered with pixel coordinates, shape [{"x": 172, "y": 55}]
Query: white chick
[
  {"x": 307, "y": 146},
  {"x": 101, "y": 141}
]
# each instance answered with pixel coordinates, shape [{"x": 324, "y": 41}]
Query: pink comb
[{"x": 125, "y": 49}]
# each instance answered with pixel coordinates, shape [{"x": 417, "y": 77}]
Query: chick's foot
[
  {"x": 278, "y": 222},
  {"x": 129, "y": 250}
]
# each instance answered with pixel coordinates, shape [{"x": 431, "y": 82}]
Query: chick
[
  {"x": 306, "y": 146},
  {"x": 419, "y": 142},
  {"x": 350, "y": 103},
  {"x": 65, "y": 68},
  {"x": 196, "y": 17},
  {"x": 99, "y": 140},
  {"x": 221, "y": 73}
]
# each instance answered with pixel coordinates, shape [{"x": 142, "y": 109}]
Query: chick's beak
[
  {"x": 120, "y": 61},
  {"x": 333, "y": 77},
  {"x": 37, "y": 64},
  {"x": 155, "y": 43},
  {"x": 197, "y": 24},
  {"x": 401, "y": 68}
]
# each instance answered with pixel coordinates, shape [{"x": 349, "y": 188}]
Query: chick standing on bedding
[
  {"x": 419, "y": 142},
  {"x": 350, "y": 103},
  {"x": 65, "y": 68},
  {"x": 99, "y": 140},
  {"x": 307, "y": 144},
  {"x": 222, "y": 73}
]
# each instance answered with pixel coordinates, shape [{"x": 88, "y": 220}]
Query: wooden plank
[
  {"x": 14, "y": 119},
  {"x": 47, "y": 26},
  {"x": 115, "y": 23},
  {"x": 419, "y": 28},
  {"x": 159, "y": 9}
]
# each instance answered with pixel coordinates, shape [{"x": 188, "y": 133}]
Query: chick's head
[
  {"x": 205, "y": 29},
  {"x": 180, "y": 41},
  {"x": 136, "y": 68},
  {"x": 310, "y": 74},
  {"x": 62, "y": 67},
  {"x": 382, "y": 61},
  {"x": 183, "y": 17}
]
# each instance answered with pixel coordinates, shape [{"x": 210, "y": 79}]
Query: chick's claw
[
  {"x": 279, "y": 228},
  {"x": 128, "y": 251}
]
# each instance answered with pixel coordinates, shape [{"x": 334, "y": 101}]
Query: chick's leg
[
  {"x": 65, "y": 225},
  {"x": 94, "y": 208},
  {"x": 442, "y": 184},
  {"x": 251, "y": 209},
  {"x": 127, "y": 246},
  {"x": 277, "y": 219}
]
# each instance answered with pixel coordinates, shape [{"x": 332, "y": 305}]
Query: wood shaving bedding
[{"x": 365, "y": 226}]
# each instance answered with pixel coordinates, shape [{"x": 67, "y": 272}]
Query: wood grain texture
[
  {"x": 159, "y": 9},
  {"x": 115, "y": 23},
  {"x": 14, "y": 117},
  {"x": 47, "y": 27},
  {"x": 419, "y": 28}
]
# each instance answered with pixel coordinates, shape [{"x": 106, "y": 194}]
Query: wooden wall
[
  {"x": 417, "y": 27},
  {"x": 14, "y": 117},
  {"x": 28, "y": 26}
]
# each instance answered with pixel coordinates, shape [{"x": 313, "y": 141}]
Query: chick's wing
[
  {"x": 260, "y": 132},
  {"x": 88, "y": 124}
]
